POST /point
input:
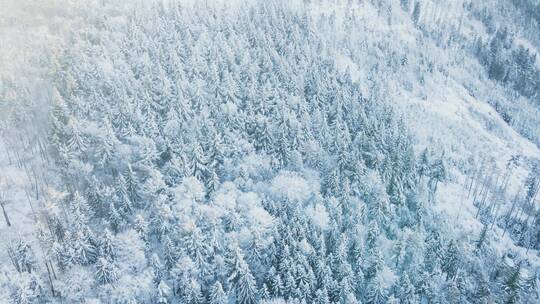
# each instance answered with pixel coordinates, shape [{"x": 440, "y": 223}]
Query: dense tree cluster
[
  {"x": 508, "y": 52},
  {"x": 508, "y": 63},
  {"x": 215, "y": 156}
]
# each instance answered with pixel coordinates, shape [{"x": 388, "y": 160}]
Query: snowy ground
[
  {"x": 27, "y": 29},
  {"x": 470, "y": 130},
  {"x": 19, "y": 207}
]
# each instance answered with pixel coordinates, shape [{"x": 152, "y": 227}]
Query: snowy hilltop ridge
[{"x": 270, "y": 152}]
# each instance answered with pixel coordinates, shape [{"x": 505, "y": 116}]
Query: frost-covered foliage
[{"x": 213, "y": 155}]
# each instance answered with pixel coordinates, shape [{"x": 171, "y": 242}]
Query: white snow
[
  {"x": 291, "y": 186},
  {"x": 318, "y": 215}
]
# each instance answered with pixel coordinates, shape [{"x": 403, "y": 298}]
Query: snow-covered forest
[{"x": 270, "y": 151}]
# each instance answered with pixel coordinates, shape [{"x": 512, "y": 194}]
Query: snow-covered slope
[{"x": 449, "y": 111}]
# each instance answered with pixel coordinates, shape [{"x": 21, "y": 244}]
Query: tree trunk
[
  {"x": 50, "y": 279},
  {"x": 5, "y": 215}
]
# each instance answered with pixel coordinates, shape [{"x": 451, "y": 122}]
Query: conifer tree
[
  {"x": 321, "y": 297},
  {"x": 375, "y": 292},
  {"x": 406, "y": 292},
  {"x": 450, "y": 263},
  {"x": 141, "y": 227},
  {"x": 416, "y": 12},
  {"x": 107, "y": 247},
  {"x": 28, "y": 289},
  {"x": 265, "y": 294},
  {"x": 163, "y": 291},
  {"x": 106, "y": 271},
  {"x": 22, "y": 256},
  {"x": 217, "y": 295},
  {"x": 245, "y": 287},
  {"x": 83, "y": 247},
  {"x": 512, "y": 284},
  {"x": 132, "y": 184},
  {"x": 482, "y": 238}
]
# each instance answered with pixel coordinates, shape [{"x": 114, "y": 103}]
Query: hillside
[{"x": 270, "y": 152}]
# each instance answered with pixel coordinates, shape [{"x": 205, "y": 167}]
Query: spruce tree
[
  {"x": 512, "y": 284},
  {"x": 217, "y": 295},
  {"x": 163, "y": 291},
  {"x": 450, "y": 263},
  {"x": 106, "y": 271}
]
